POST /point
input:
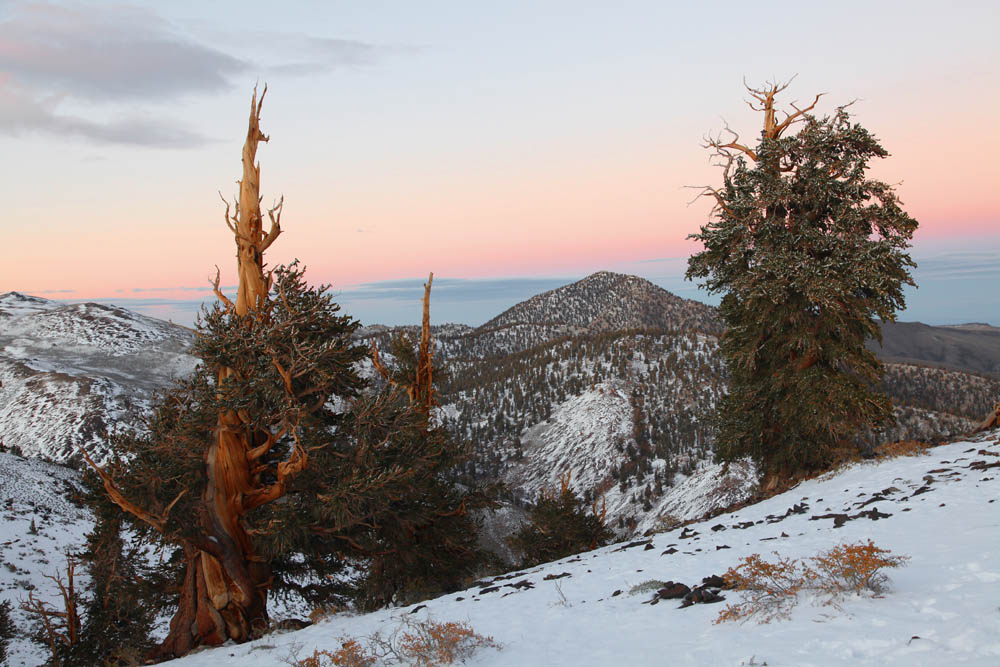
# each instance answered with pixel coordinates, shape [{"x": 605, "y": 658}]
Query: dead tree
[
  {"x": 991, "y": 421},
  {"x": 420, "y": 387},
  {"x": 60, "y": 627}
]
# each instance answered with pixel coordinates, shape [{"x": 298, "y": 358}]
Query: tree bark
[{"x": 224, "y": 595}]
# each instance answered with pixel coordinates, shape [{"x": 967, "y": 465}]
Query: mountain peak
[{"x": 606, "y": 301}]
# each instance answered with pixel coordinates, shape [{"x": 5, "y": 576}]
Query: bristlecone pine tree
[
  {"x": 559, "y": 525},
  {"x": 808, "y": 253},
  {"x": 273, "y": 413}
]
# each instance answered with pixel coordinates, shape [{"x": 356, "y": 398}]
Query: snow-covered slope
[
  {"x": 70, "y": 372},
  {"x": 36, "y": 494},
  {"x": 587, "y": 436},
  {"x": 939, "y": 509}
]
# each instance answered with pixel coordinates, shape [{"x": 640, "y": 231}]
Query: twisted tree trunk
[{"x": 224, "y": 595}]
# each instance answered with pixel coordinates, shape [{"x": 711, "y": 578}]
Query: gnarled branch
[{"x": 157, "y": 521}]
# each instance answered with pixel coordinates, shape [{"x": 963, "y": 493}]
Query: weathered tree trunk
[
  {"x": 224, "y": 595},
  {"x": 992, "y": 420}
]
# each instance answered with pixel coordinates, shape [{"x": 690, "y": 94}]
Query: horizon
[
  {"x": 509, "y": 147},
  {"x": 473, "y": 302}
]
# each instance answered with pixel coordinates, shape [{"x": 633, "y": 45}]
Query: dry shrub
[
  {"x": 427, "y": 643},
  {"x": 891, "y": 450},
  {"x": 853, "y": 568},
  {"x": 324, "y": 611},
  {"x": 770, "y": 590},
  {"x": 423, "y": 643},
  {"x": 350, "y": 654}
]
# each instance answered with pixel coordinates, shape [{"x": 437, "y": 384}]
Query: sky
[{"x": 507, "y": 147}]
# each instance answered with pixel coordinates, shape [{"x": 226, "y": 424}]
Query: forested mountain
[
  {"x": 610, "y": 379},
  {"x": 606, "y": 301},
  {"x": 551, "y": 387}
]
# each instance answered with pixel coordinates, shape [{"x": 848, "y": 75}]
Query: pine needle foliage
[
  {"x": 559, "y": 525},
  {"x": 7, "y": 629},
  {"x": 375, "y": 492},
  {"x": 809, "y": 253}
]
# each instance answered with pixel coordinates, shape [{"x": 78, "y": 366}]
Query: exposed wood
[
  {"x": 420, "y": 391},
  {"x": 727, "y": 150},
  {"x": 423, "y": 393},
  {"x": 61, "y": 626},
  {"x": 157, "y": 521},
  {"x": 992, "y": 420}
]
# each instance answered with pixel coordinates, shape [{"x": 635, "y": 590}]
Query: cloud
[
  {"x": 958, "y": 265},
  {"x": 316, "y": 55},
  {"x": 21, "y": 113},
  {"x": 119, "y": 55},
  {"x": 452, "y": 290},
  {"x": 206, "y": 288},
  {"x": 107, "y": 53}
]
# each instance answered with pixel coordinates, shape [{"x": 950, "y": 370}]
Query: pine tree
[
  {"x": 559, "y": 526},
  {"x": 808, "y": 253},
  {"x": 276, "y": 412},
  {"x": 7, "y": 629}
]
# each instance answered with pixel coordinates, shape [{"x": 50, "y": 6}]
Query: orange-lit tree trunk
[
  {"x": 224, "y": 591},
  {"x": 224, "y": 595}
]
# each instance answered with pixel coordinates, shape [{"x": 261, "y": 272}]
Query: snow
[
  {"x": 942, "y": 608},
  {"x": 70, "y": 372},
  {"x": 35, "y": 491}
]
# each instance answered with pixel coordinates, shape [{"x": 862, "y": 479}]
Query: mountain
[
  {"x": 551, "y": 387},
  {"x": 610, "y": 379},
  {"x": 972, "y": 348},
  {"x": 68, "y": 373},
  {"x": 606, "y": 301},
  {"x": 939, "y": 606}
]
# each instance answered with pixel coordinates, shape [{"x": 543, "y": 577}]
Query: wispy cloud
[
  {"x": 313, "y": 55},
  {"x": 114, "y": 57},
  {"x": 111, "y": 52},
  {"x": 452, "y": 290},
  {"x": 206, "y": 289},
  {"x": 958, "y": 265},
  {"x": 21, "y": 112}
]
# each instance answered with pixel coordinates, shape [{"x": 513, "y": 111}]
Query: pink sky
[{"x": 551, "y": 143}]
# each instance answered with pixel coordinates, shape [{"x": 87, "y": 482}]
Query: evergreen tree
[
  {"x": 7, "y": 629},
  {"x": 125, "y": 592},
  {"x": 268, "y": 465},
  {"x": 559, "y": 526},
  {"x": 808, "y": 253}
]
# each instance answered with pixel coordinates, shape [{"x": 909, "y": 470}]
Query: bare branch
[
  {"x": 709, "y": 191},
  {"x": 733, "y": 144},
  {"x": 275, "y": 215},
  {"x": 218, "y": 293},
  {"x": 225, "y": 215},
  {"x": 157, "y": 521},
  {"x": 792, "y": 118}
]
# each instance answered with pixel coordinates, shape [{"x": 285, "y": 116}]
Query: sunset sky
[{"x": 508, "y": 147}]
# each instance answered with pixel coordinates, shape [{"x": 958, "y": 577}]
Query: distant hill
[
  {"x": 71, "y": 372},
  {"x": 606, "y": 301},
  {"x": 972, "y": 348}
]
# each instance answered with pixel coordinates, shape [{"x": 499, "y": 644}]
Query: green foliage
[
  {"x": 7, "y": 629},
  {"x": 559, "y": 526},
  {"x": 126, "y": 592},
  {"x": 375, "y": 493},
  {"x": 808, "y": 254}
]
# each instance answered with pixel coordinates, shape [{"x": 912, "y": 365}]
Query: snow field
[{"x": 943, "y": 607}]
